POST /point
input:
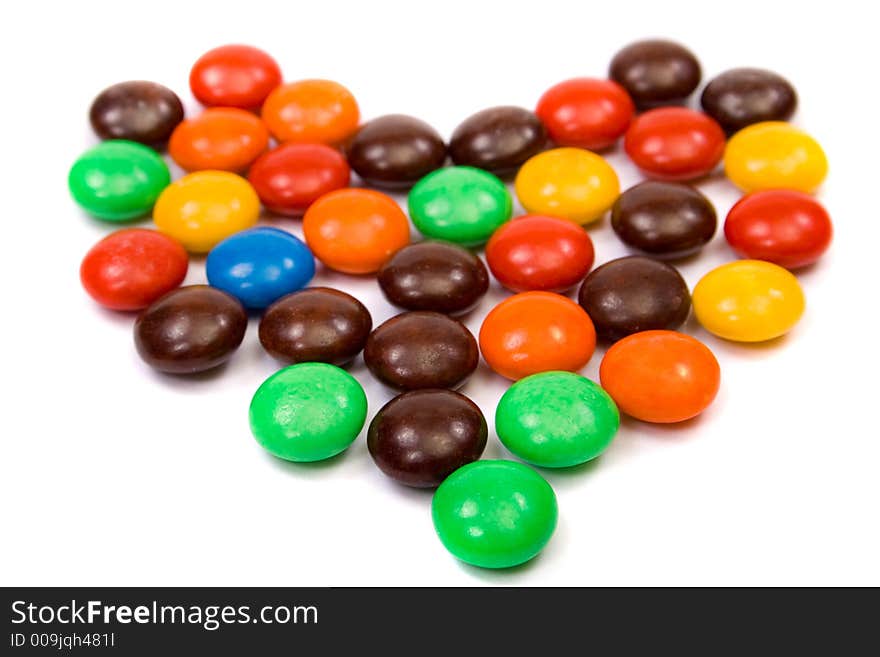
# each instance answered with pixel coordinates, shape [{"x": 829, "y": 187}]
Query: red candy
[
  {"x": 675, "y": 143},
  {"x": 234, "y": 76},
  {"x": 782, "y": 226},
  {"x": 131, "y": 268},
  {"x": 288, "y": 179},
  {"x": 536, "y": 252},
  {"x": 586, "y": 112}
]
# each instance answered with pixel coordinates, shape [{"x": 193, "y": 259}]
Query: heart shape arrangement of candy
[{"x": 290, "y": 148}]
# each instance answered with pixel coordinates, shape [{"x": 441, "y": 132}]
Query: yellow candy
[
  {"x": 206, "y": 207},
  {"x": 567, "y": 182},
  {"x": 774, "y": 155},
  {"x": 748, "y": 301}
]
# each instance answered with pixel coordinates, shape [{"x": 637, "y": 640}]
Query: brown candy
[
  {"x": 664, "y": 219},
  {"x": 139, "y": 111},
  {"x": 419, "y": 438},
  {"x": 395, "y": 151},
  {"x": 656, "y": 72},
  {"x": 418, "y": 350},
  {"x": 438, "y": 276},
  {"x": 318, "y": 324},
  {"x": 498, "y": 139},
  {"x": 743, "y": 96},
  {"x": 190, "y": 329},
  {"x": 633, "y": 294}
]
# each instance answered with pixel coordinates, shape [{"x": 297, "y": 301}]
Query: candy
[
  {"x": 459, "y": 204},
  {"x": 395, "y": 151},
  {"x": 308, "y": 412},
  {"x": 788, "y": 228},
  {"x": 535, "y": 252},
  {"x": 318, "y": 324},
  {"x": 118, "y": 180},
  {"x": 494, "y": 514},
  {"x": 660, "y": 376},
  {"x": 774, "y": 155},
  {"x": 355, "y": 230},
  {"x": 634, "y": 294},
  {"x": 567, "y": 182},
  {"x": 203, "y": 208},
  {"x": 656, "y": 72},
  {"x": 288, "y": 179},
  {"x": 556, "y": 419},
  {"x": 743, "y": 96},
  {"x": 234, "y": 76},
  {"x": 536, "y": 332},
  {"x": 259, "y": 266},
  {"x": 498, "y": 139},
  {"x": 674, "y": 143},
  {"x": 417, "y": 350},
  {"x": 664, "y": 219},
  {"x": 586, "y": 112},
  {"x": 419, "y": 438},
  {"x": 139, "y": 111},
  {"x": 221, "y": 138},
  {"x": 748, "y": 301},
  {"x": 191, "y": 329},
  {"x": 437, "y": 276},
  {"x": 320, "y": 111},
  {"x": 131, "y": 268}
]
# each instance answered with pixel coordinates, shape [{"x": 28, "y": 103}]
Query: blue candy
[{"x": 260, "y": 265}]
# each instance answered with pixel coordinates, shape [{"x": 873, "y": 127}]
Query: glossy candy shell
[
  {"x": 748, "y": 301},
  {"x": 260, "y": 265},
  {"x": 118, "y": 180},
  {"x": 494, "y": 514},
  {"x": 131, "y": 268},
  {"x": 459, "y": 204},
  {"x": 203, "y": 208},
  {"x": 308, "y": 412},
  {"x": 556, "y": 419}
]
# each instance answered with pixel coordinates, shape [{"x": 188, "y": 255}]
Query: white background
[{"x": 111, "y": 474}]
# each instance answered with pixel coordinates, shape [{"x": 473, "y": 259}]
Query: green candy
[
  {"x": 556, "y": 419},
  {"x": 494, "y": 514},
  {"x": 308, "y": 412},
  {"x": 118, "y": 180},
  {"x": 459, "y": 204}
]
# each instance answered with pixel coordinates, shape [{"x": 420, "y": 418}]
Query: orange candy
[
  {"x": 355, "y": 231},
  {"x": 220, "y": 138},
  {"x": 660, "y": 376},
  {"x": 316, "y": 111},
  {"x": 535, "y": 332}
]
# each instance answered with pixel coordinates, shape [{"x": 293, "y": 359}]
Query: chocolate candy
[
  {"x": 191, "y": 329},
  {"x": 634, "y": 294},
  {"x": 395, "y": 151},
  {"x": 418, "y": 350},
  {"x": 498, "y": 139},
  {"x": 665, "y": 219},
  {"x": 656, "y": 72},
  {"x": 743, "y": 96},
  {"x": 139, "y": 111},
  {"x": 318, "y": 324},
  {"x": 421, "y": 437},
  {"x": 437, "y": 276}
]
